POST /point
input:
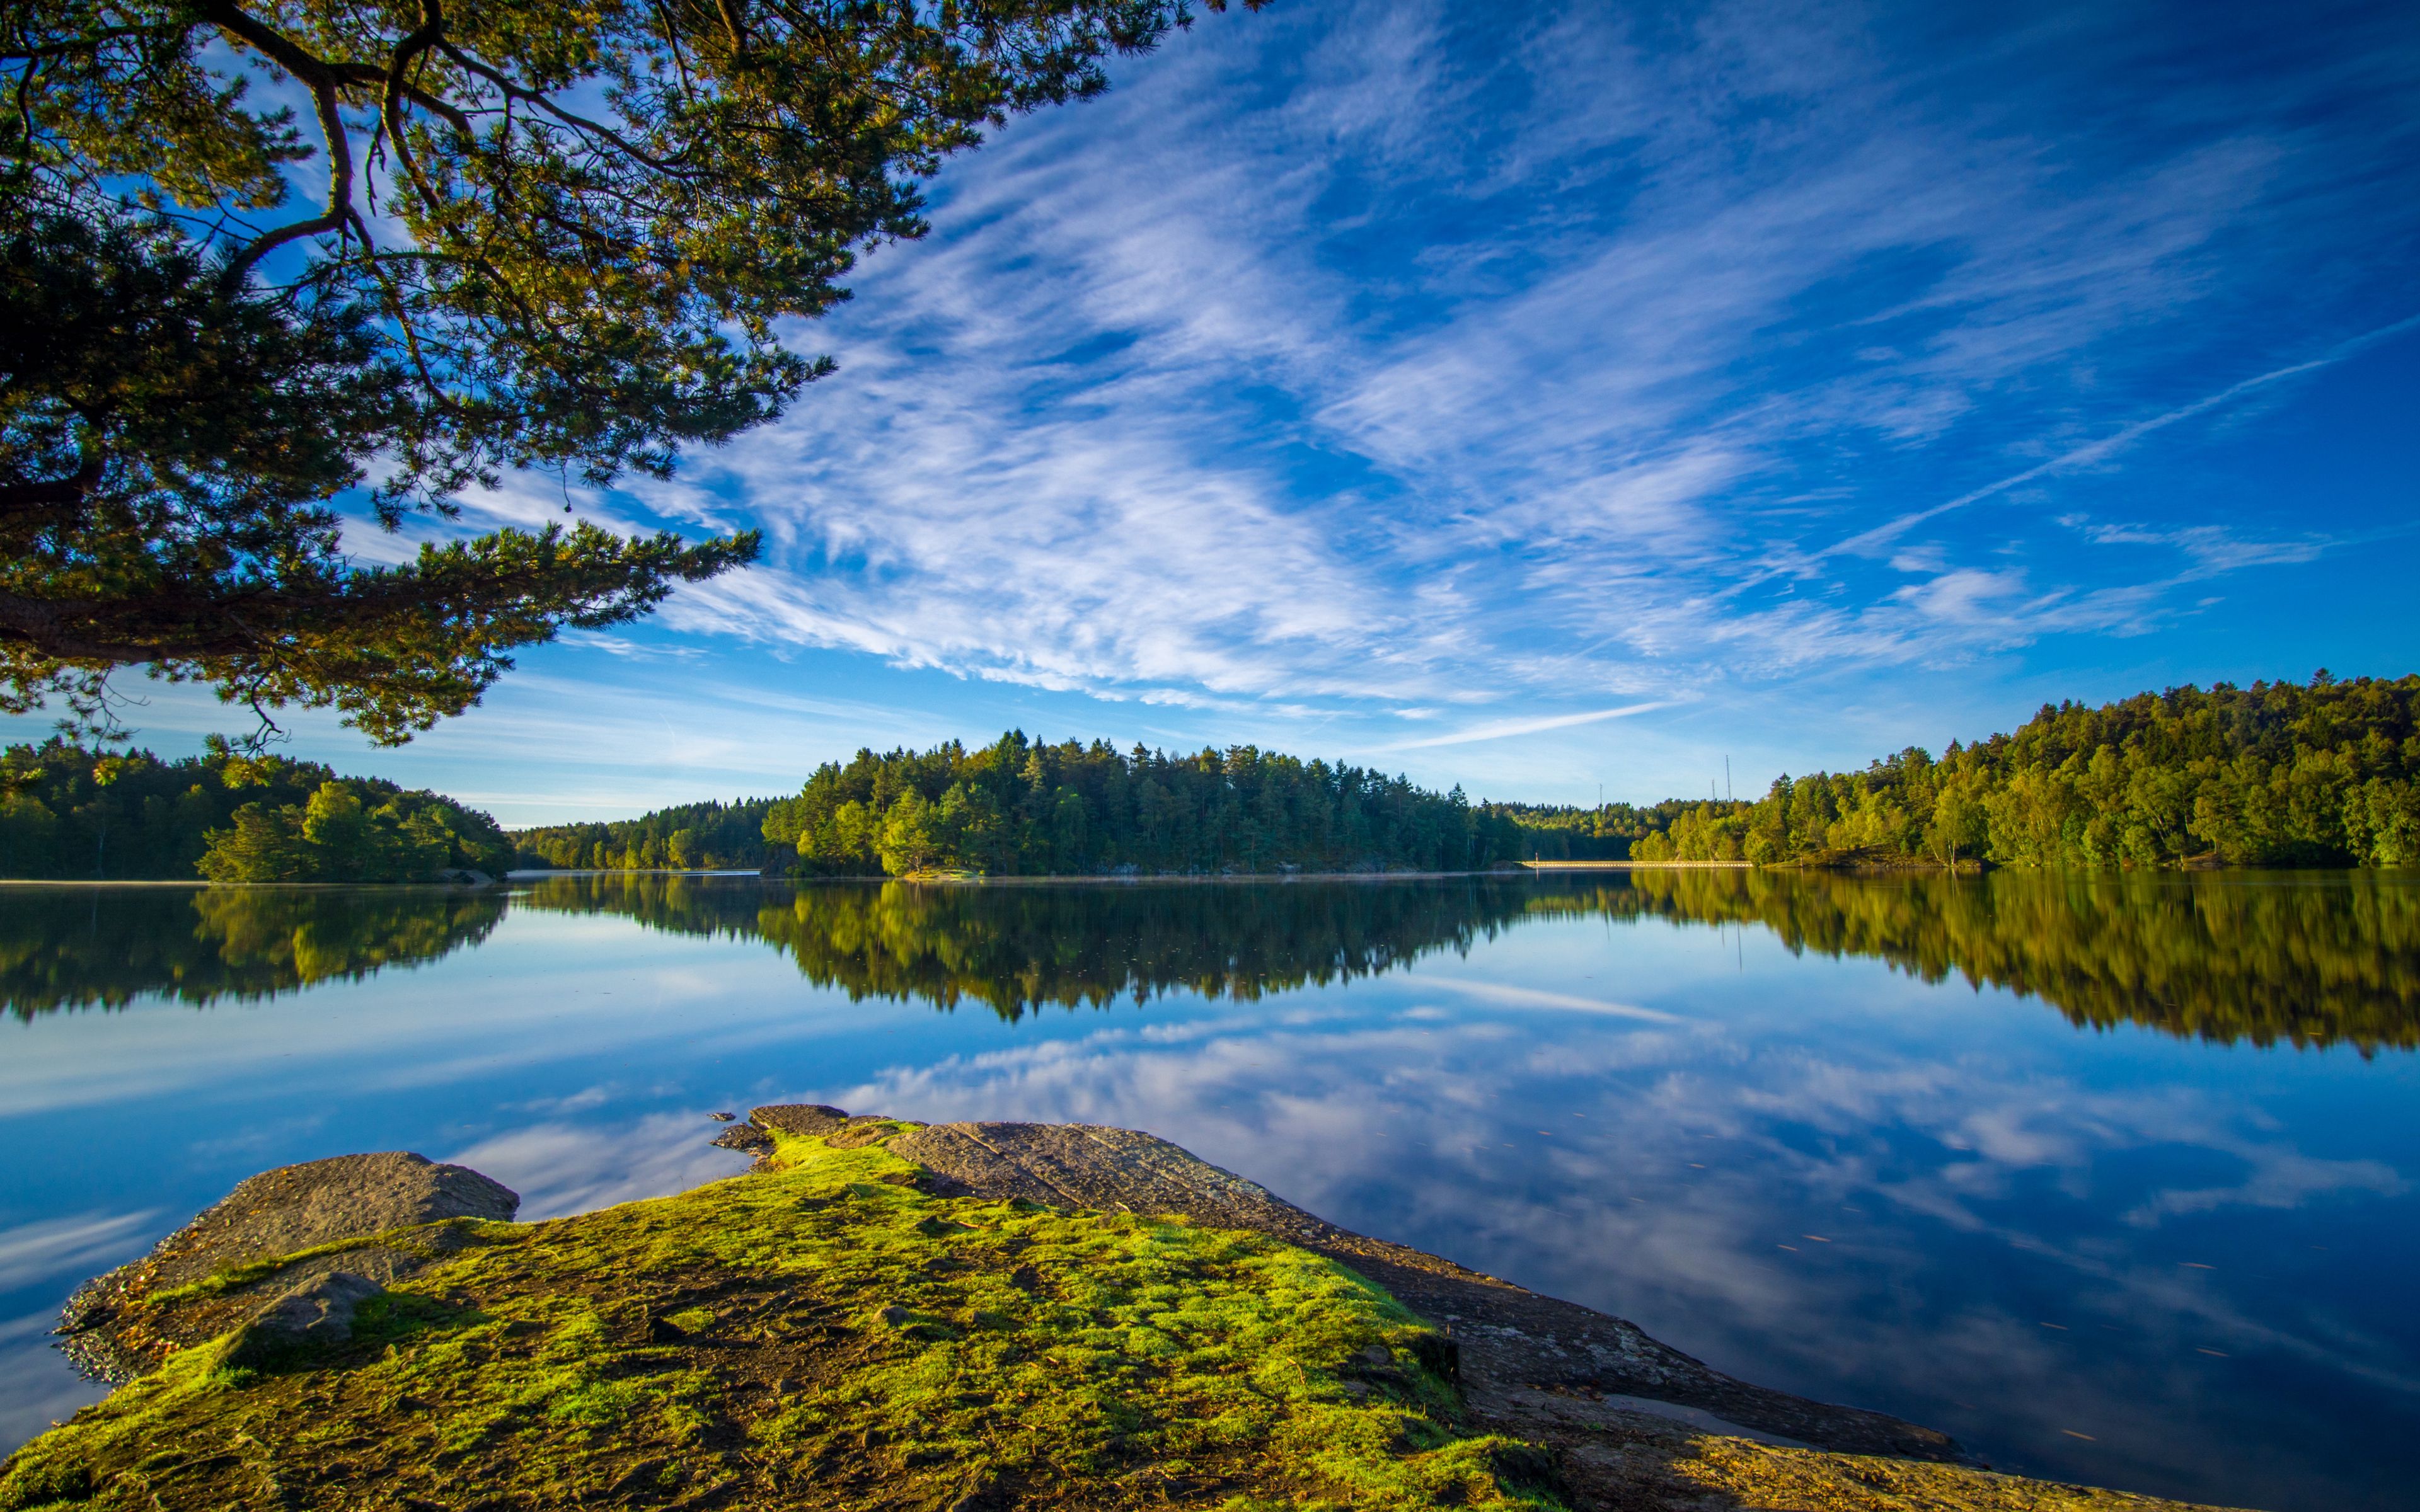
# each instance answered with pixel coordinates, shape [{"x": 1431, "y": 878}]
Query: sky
[{"x": 1553, "y": 400}]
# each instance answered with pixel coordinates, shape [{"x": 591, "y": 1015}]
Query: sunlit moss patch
[{"x": 827, "y": 1335}]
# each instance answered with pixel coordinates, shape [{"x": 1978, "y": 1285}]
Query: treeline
[
  {"x": 1556, "y": 832},
  {"x": 2277, "y": 774},
  {"x": 1020, "y": 807},
  {"x": 68, "y": 812},
  {"x": 711, "y": 837}
]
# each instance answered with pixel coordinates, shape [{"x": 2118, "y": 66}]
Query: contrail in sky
[
  {"x": 1504, "y": 728},
  {"x": 2095, "y": 451}
]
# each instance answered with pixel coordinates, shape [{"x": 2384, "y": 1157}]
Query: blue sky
[{"x": 1540, "y": 397}]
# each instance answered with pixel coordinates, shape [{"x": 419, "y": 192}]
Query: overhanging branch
[{"x": 340, "y": 191}]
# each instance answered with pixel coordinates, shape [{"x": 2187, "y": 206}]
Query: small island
[{"x": 887, "y": 1313}]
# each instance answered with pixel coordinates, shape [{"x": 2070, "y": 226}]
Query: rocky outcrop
[
  {"x": 318, "y": 1314},
  {"x": 290, "y": 1210},
  {"x": 1508, "y": 1339},
  {"x": 896, "y": 1316}
]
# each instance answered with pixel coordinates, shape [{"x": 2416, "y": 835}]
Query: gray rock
[
  {"x": 803, "y": 1118},
  {"x": 318, "y": 1202},
  {"x": 318, "y": 1313},
  {"x": 114, "y": 1333}
]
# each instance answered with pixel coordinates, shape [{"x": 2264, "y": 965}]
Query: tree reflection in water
[
  {"x": 2313, "y": 958},
  {"x": 1015, "y": 948},
  {"x": 63, "y": 947}
]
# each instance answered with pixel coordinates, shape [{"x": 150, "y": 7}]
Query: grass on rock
[{"x": 824, "y": 1336}]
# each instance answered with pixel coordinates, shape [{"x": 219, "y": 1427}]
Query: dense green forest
[
  {"x": 1551, "y": 832},
  {"x": 1022, "y": 808},
  {"x": 2278, "y": 774},
  {"x": 68, "y": 812},
  {"x": 712, "y": 837}
]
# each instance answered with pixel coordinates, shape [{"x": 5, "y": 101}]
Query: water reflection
[
  {"x": 1762, "y": 1115},
  {"x": 2319, "y": 959},
  {"x": 1016, "y": 948},
  {"x": 66, "y": 947},
  {"x": 2313, "y": 959}
]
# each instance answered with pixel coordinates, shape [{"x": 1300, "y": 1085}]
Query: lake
[{"x": 2113, "y": 1178}]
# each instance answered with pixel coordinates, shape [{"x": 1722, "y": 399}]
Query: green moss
[
  {"x": 426, "y": 1241},
  {"x": 824, "y": 1336}
]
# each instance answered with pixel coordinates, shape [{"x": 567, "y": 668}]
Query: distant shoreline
[
  {"x": 1638, "y": 865},
  {"x": 1054, "y": 879}
]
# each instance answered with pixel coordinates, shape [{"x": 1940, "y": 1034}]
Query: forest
[
  {"x": 2277, "y": 774},
  {"x": 67, "y": 812},
  {"x": 1025, "y": 808},
  {"x": 1020, "y": 807},
  {"x": 1552, "y": 832},
  {"x": 705, "y": 837}
]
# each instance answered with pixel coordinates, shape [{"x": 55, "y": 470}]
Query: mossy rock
[
  {"x": 980, "y": 1331},
  {"x": 280, "y": 1226},
  {"x": 823, "y": 1334}
]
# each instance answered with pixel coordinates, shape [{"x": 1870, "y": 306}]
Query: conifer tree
[{"x": 530, "y": 236}]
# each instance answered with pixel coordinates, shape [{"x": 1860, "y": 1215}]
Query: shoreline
[{"x": 1054, "y": 879}]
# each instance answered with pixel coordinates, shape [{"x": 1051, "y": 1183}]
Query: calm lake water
[{"x": 2113, "y": 1178}]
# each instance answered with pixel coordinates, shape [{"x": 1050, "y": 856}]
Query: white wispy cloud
[
  {"x": 1350, "y": 361},
  {"x": 1166, "y": 408},
  {"x": 87, "y": 1242}
]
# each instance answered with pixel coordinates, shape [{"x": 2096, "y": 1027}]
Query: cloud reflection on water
[
  {"x": 561, "y": 1168},
  {"x": 1783, "y": 1210},
  {"x": 1797, "y": 1149}
]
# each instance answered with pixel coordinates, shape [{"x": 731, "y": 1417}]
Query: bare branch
[
  {"x": 579, "y": 123},
  {"x": 51, "y": 494},
  {"x": 340, "y": 193},
  {"x": 416, "y": 43},
  {"x": 273, "y": 45},
  {"x": 90, "y": 42}
]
